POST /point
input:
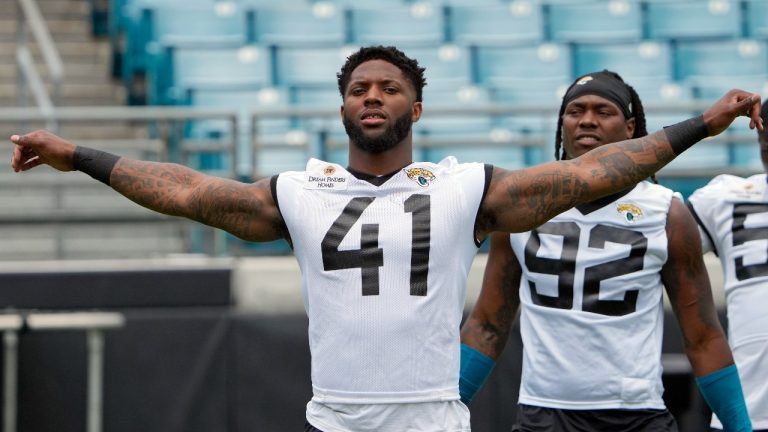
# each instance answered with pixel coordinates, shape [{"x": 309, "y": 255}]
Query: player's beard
[{"x": 387, "y": 140}]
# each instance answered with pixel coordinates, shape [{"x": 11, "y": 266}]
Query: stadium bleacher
[{"x": 516, "y": 52}]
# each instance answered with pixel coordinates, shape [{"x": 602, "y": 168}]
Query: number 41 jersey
[
  {"x": 592, "y": 311},
  {"x": 384, "y": 270}
]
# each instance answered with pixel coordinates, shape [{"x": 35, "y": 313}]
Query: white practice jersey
[
  {"x": 384, "y": 272},
  {"x": 733, "y": 216},
  {"x": 592, "y": 309}
]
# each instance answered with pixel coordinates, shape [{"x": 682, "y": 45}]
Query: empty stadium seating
[
  {"x": 418, "y": 24},
  {"x": 728, "y": 60},
  {"x": 510, "y": 53},
  {"x": 647, "y": 60},
  {"x": 321, "y": 25},
  {"x": 521, "y": 66},
  {"x": 302, "y": 67},
  {"x": 755, "y": 12},
  {"x": 513, "y": 23},
  {"x": 245, "y": 66},
  {"x": 694, "y": 19},
  {"x": 612, "y": 21}
]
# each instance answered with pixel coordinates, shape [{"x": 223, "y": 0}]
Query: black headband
[{"x": 605, "y": 85}]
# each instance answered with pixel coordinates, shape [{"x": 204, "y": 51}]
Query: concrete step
[
  {"x": 101, "y": 93},
  {"x": 112, "y": 136},
  {"x": 64, "y": 8},
  {"x": 94, "y": 241},
  {"x": 77, "y": 52},
  {"x": 73, "y": 72},
  {"x": 7, "y": 26}
]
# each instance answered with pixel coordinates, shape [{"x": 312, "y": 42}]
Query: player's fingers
[
  {"x": 18, "y": 139},
  {"x": 30, "y": 163},
  {"x": 16, "y": 158}
]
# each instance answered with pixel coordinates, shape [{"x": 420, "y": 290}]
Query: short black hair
[
  {"x": 638, "y": 114},
  {"x": 410, "y": 67}
]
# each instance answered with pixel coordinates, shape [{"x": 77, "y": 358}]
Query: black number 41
[{"x": 370, "y": 256}]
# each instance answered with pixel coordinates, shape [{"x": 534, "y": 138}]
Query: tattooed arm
[
  {"x": 245, "y": 210},
  {"x": 687, "y": 283},
  {"x": 487, "y": 327},
  {"x": 521, "y": 200}
]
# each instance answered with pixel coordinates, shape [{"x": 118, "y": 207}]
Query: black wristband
[
  {"x": 686, "y": 133},
  {"x": 95, "y": 163}
]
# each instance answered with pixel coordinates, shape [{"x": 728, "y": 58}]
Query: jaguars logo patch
[
  {"x": 630, "y": 212},
  {"x": 421, "y": 176}
]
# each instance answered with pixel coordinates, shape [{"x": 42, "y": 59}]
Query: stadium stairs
[{"x": 47, "y": 215}]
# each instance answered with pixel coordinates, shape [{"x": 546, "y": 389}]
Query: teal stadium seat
[
  {"x": 309, "y": 67},
  {"x": 535, "y": 76},
  {"x": 280, "y": 146},
  {"x": 325, "y": 98},
  {"x": 451, "y": 3},
  {"x": 368, "y": 4},
  {"x": 756, "y": 17},
  {"x": 445, "y": 125},
  {"x": 507, "y": 23},
  {"x": 661, "y": 91},
  {"x": 152, "y": 25},
  {"x": 693, "y": 19},
  {"x": 320, "y": 24},
  {"x": 473, "y": 138},
  {"x": 546, "y": 98},
  {"x": 252, "y": 4},
  {"x": 523, "y": 66},
  {"x": 447, "y": 66},
  {"x": 645, "y": 60},
  {"x": 730, "y": 60},
  {"x": 195, "y": 24},
  {"x": 244, "y": 98},
  {"x": 613, "y": 21},
  {"x": 185, "y": 67},
  {"x": 417, "y": 24}
]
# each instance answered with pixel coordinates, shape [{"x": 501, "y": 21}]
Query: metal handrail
[
  {"x": 181, "y": 114},
  {"x": 29, "y": 14}
]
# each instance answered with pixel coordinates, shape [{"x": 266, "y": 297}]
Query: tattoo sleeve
[
  {"x": 245, "y": 210},
  {"x": 489, "y": 325},
  {"x": 523, "y": 199}
]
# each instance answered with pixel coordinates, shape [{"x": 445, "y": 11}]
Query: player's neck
[{"x": 380, "y": 163}]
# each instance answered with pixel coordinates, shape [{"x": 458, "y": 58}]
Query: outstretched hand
[
  {"x": 41, "y": 147},
  {"x": 734, "y": 104}
]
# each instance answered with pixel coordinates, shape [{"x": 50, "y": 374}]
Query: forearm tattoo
[
  {"x": 497, "y": 334},
  {"x": 490, "y": 331},
  {"x": 179, "y": 191},
  {"x": 533, "y": 196}
]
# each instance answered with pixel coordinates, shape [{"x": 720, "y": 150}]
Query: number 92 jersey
[
  {"x": 592, "y": 310},
  {"x": 384, "y": 271}
]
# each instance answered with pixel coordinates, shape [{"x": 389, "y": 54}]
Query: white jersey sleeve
[
  {"x": 733, "y": 211},
  {"x": 591, "y": 304},
  {"x": 384, "y": 272}
]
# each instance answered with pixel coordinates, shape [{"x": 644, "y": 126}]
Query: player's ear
[
  {"x": 416, "y": 111},
  {"x": 631, "y": 124}
]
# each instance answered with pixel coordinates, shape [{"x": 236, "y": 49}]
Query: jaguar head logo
[{"x": 422, "y": 176}]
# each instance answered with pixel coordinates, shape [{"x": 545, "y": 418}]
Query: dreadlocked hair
[
  {"x": 410, "y": 67},
  {"x": 637, "y": 111}
]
